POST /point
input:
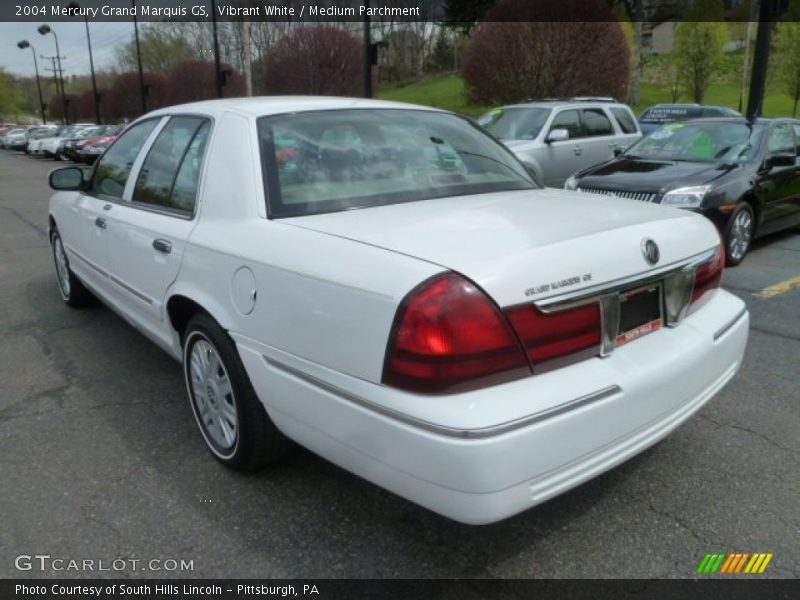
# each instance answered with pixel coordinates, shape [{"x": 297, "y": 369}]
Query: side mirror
[
  {"x": 780, "y": 160},
  {"x": 68, "y": 179},
  {"x": 557, "y": 135},
  {"x": 618, "y": 152}
]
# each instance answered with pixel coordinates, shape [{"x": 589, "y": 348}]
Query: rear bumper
[{"x": 482, "y": 456}]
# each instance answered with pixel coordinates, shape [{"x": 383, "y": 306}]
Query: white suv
[{"x": 557, "y": 137}]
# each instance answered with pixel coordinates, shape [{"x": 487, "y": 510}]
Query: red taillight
[
  {"x": 707, "y": 277},
  {"x": 449, "y": 336},
  {"x": 563, "y": 336}
]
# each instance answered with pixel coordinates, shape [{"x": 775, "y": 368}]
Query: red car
[{"x": 109, "y": 134}]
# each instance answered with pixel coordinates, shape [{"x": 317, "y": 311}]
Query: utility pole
[
  {"x": 44, "y": 29},
  {"x": 758, "y": 81},
  {"x": 52, "y": 60}
]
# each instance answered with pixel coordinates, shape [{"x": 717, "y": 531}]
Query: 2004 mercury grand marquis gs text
[{"x": 463, "y": 339}]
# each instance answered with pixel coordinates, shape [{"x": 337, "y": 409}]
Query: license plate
[{"x": 639, "y": 312}]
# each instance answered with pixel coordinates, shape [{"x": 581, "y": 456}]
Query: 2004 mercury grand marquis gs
[{"x": 385, "y": 285}]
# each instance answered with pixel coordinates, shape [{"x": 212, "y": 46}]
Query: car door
[
  {"x": 84, "y": 220},
  {"x": 563, "y": 158},
  {"x": 779, "y": 185},
  {"x": 149, "y": 233},
  {"x": 600, "y": 137}
]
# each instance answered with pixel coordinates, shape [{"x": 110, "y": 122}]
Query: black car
[
  {"x": 656, "y": 116},
  {"x": 742, "y": 175}
]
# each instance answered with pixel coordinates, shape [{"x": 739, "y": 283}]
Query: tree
[
  {"x": 162, "y": 46},
  {"x": 525, "y": 49},
  {"x": 124, "y": 98},
  {"x": 786, "y": 61},
  {"x": 195, "y": 80},
  {"x": 320, "y": 60},
  {"x": 464, "y": 14},
  {"x": 11, "y": 100},
  {"x": 698, "y": 46}
]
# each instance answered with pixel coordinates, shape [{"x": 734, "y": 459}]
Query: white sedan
[{"x": 385, "y": 285}]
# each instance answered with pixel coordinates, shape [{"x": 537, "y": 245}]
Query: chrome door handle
[
  {"x": 100, "y": 222},
  {"x": 162, "y": 246}
]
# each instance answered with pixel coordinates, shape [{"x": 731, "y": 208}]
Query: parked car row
[
  {"x": 82, "y": 142},
  {"x": 743, "y": 175}
]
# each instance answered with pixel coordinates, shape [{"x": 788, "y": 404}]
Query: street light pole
[
  {"x": 217, "y": 73},
  {"x": 76, "y": 6},
  {"x": 142, "y": 89},
  {"x": 26, "y": 44},
  {"x": 44, "y": 30}
]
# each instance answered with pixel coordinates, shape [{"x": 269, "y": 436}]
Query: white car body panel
[{"x": 310, "y": 302}]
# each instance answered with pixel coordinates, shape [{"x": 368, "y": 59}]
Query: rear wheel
[
  {"x": 73, "y": 292},
  {"x": 231, "y": 418},
  {"x": 739, "y": 233}
]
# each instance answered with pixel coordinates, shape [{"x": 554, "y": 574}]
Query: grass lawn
[{"x": 448, "y": 92}]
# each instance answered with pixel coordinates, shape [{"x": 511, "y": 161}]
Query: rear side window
[
  {"x": 569, "y": 120},
  {"x": 595, "y": 122},
  {"x": 168, "y": 177},
  {"x": 115, "y": 165},
  {"x": 624, "y": 119}
]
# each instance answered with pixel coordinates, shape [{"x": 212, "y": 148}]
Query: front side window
[
  {"x": 325, "y": 161},
  {"x": 569, "y": 120},
  {"x": 595, "y": 122},
  {"x": 165, "y": 162},
  {"x": 781, "y": 140},
  {"x": 515, "y": 123},
  {"x": 115, "y": 165}
]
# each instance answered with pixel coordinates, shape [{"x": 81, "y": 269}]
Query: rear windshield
[
  {"x": 665, "y": 114},
  {"x": 515, "y": 123},
  {"x": 325, "y": 161}
]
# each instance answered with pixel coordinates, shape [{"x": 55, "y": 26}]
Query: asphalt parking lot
[{"x": 100, "y": 458}]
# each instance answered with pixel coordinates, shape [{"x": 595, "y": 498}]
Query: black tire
[
  {"x": 738, "y": 234},
  {"x": 72, "y": 291},
  {"x": 256, "y": 440}
]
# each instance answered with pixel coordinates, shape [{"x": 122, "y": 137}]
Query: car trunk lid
[{"x": 526, "y": 245}]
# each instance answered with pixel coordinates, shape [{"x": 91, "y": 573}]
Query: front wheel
[
  {"x": 233, "y": 422},
  {"x": 739, "y": 234}
]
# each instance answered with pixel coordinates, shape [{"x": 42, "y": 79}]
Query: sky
[{"x": 106, "y": 38}]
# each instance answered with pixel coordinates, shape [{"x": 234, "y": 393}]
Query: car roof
[
  {"x": 259, "y": 106},
  {"x": 563, "y": 103}
]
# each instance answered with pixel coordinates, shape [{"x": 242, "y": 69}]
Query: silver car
[{"x": 558, "y": 137}]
